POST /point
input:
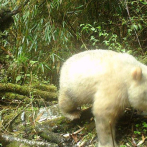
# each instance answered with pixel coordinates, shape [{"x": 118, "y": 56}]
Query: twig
[
  {"x": 15, "y": 11},
  {"x": 19, "y": 8},
  {"x": 112, "y": 134},
  {"x": 76, "y": 132},
  {"x": 6, "y": 51},
  {"x": 11, "y": 121},
  {"x": 131, "y": 23}
]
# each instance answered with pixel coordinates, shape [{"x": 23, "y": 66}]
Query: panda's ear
[{"x": 137, "y": 73}]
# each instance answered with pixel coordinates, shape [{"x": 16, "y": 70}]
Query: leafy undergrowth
[{"x": 131, "y": 131}]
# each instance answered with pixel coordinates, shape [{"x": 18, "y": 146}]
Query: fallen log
[
  {"x": 44, "y": 87},
  {"x": 29, "y": 91},
  {"x": 15, "y": 99},
  {"x": 10, "y": 138}
]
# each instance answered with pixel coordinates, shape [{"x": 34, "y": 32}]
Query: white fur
[{"x": 111, "y": 81}]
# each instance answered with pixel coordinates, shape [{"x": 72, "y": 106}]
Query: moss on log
[
  {"x": 14, "y": 99},
  {"x": 43, "y": 87},
  {"x": 28, "y": 91},
  {"x": 14, "y": 96}
]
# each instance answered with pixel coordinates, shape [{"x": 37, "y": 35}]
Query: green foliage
[
  {"x": 122, "y": 31},
  {"x": 100, "y": 37},
  {"x": 144, "y": 124},
  {"x": 141, "y": 128},
  {"x": 137, "y": 132},
  {"x": 47, "y": 32}
]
